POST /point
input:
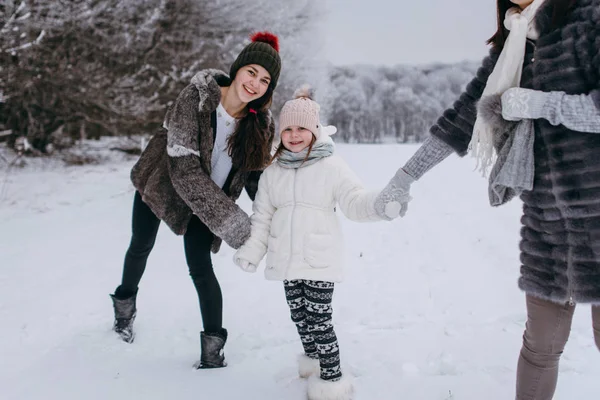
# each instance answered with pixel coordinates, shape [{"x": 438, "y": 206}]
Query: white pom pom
[{"x": 304, "y": 91}]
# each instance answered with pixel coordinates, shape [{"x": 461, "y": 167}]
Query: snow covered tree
[
  {"x": 371, "y": 103},
  {"x": 86, "y": 68}
]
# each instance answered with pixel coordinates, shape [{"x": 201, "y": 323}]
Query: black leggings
[{"x": 197, "y": 242}]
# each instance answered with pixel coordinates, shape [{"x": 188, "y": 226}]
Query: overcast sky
[{"x": 415, "y": 32}]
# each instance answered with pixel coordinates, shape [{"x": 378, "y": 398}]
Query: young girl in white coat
[{"x": 296, "y": 226}]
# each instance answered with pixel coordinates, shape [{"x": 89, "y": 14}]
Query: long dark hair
[
  {"x": 250, "y": 143},
  {"x": 560, "y": 11}
]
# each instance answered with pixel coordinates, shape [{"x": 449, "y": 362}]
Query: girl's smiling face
[{"x": 296, "y": 138}]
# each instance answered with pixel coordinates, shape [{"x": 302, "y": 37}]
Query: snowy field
[{"x": 430, "y": 308}]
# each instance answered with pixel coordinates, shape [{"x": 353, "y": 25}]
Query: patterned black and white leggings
[{"x": 311, "y": 310}]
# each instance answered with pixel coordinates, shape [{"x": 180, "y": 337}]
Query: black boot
[
  {"x": 211, "y": 344},
  {"x": 125, "y": 313}
]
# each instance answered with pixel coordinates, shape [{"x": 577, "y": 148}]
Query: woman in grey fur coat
[
  {"x": 538, "y": 127},
  {"x": 217, "y": 140}
]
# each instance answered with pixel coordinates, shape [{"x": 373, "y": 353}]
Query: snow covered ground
[{"x": 430, "y": 308}]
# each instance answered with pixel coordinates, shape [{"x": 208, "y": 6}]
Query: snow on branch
[
  {"x": 14, "y": 17},
  {"x": 27, "y": 45}
]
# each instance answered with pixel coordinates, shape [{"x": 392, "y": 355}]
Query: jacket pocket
[{"x": 318, "y": 250}]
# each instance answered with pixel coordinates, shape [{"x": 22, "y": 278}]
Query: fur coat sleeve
[
  {"x": 455, "y": 126},
  {"x": 206, "y": 200}
]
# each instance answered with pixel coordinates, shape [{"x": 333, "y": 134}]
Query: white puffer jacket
[{"x": 295, "y": 221}]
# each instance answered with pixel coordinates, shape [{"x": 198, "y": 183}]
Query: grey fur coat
[
  {"x": 560, "y": 235},
  {"x": 173, "y": 173}
]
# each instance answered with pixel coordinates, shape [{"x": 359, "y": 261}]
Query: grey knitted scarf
[
  {"x": 288, "y": 159},
  {"x": 514, "y": 169}
]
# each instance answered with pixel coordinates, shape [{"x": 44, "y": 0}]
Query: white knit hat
[{"x": 302, "y": 111}]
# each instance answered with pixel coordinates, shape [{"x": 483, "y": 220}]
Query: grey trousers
[{"x": 546, "y": 334}]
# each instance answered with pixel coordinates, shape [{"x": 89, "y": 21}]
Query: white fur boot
[
  {"x": 319, "y": 389},
  {"x": 308, "y": 366}
]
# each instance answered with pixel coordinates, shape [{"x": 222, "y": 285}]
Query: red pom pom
[{"x": 266, "y": 37}]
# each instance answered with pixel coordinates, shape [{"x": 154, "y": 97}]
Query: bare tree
[{"x": 86, "y": 68}]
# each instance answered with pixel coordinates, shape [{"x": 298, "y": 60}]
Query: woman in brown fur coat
[{"x": 217, "y": 140}]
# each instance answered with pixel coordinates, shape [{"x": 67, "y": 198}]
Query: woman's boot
[
  {"x": 211, "y": 345},
  {"x": 125, "y": 312}
]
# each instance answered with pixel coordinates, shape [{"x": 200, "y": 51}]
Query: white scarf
[{"x": 506, "y": 74}]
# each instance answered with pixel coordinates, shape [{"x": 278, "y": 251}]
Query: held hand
[
  {"x": 395, "y": 209},
  {"x": 245, "y": 265},
  {"x": 393, "y": 199},
  {"x": 392, "y": 210}
]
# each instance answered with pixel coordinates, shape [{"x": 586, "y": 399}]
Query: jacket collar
[{"x": 209, "y": 83}]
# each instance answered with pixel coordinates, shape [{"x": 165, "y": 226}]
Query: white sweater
[
  {"x": 220, "y": 161},
  {"x": 295, "y": 222}
]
